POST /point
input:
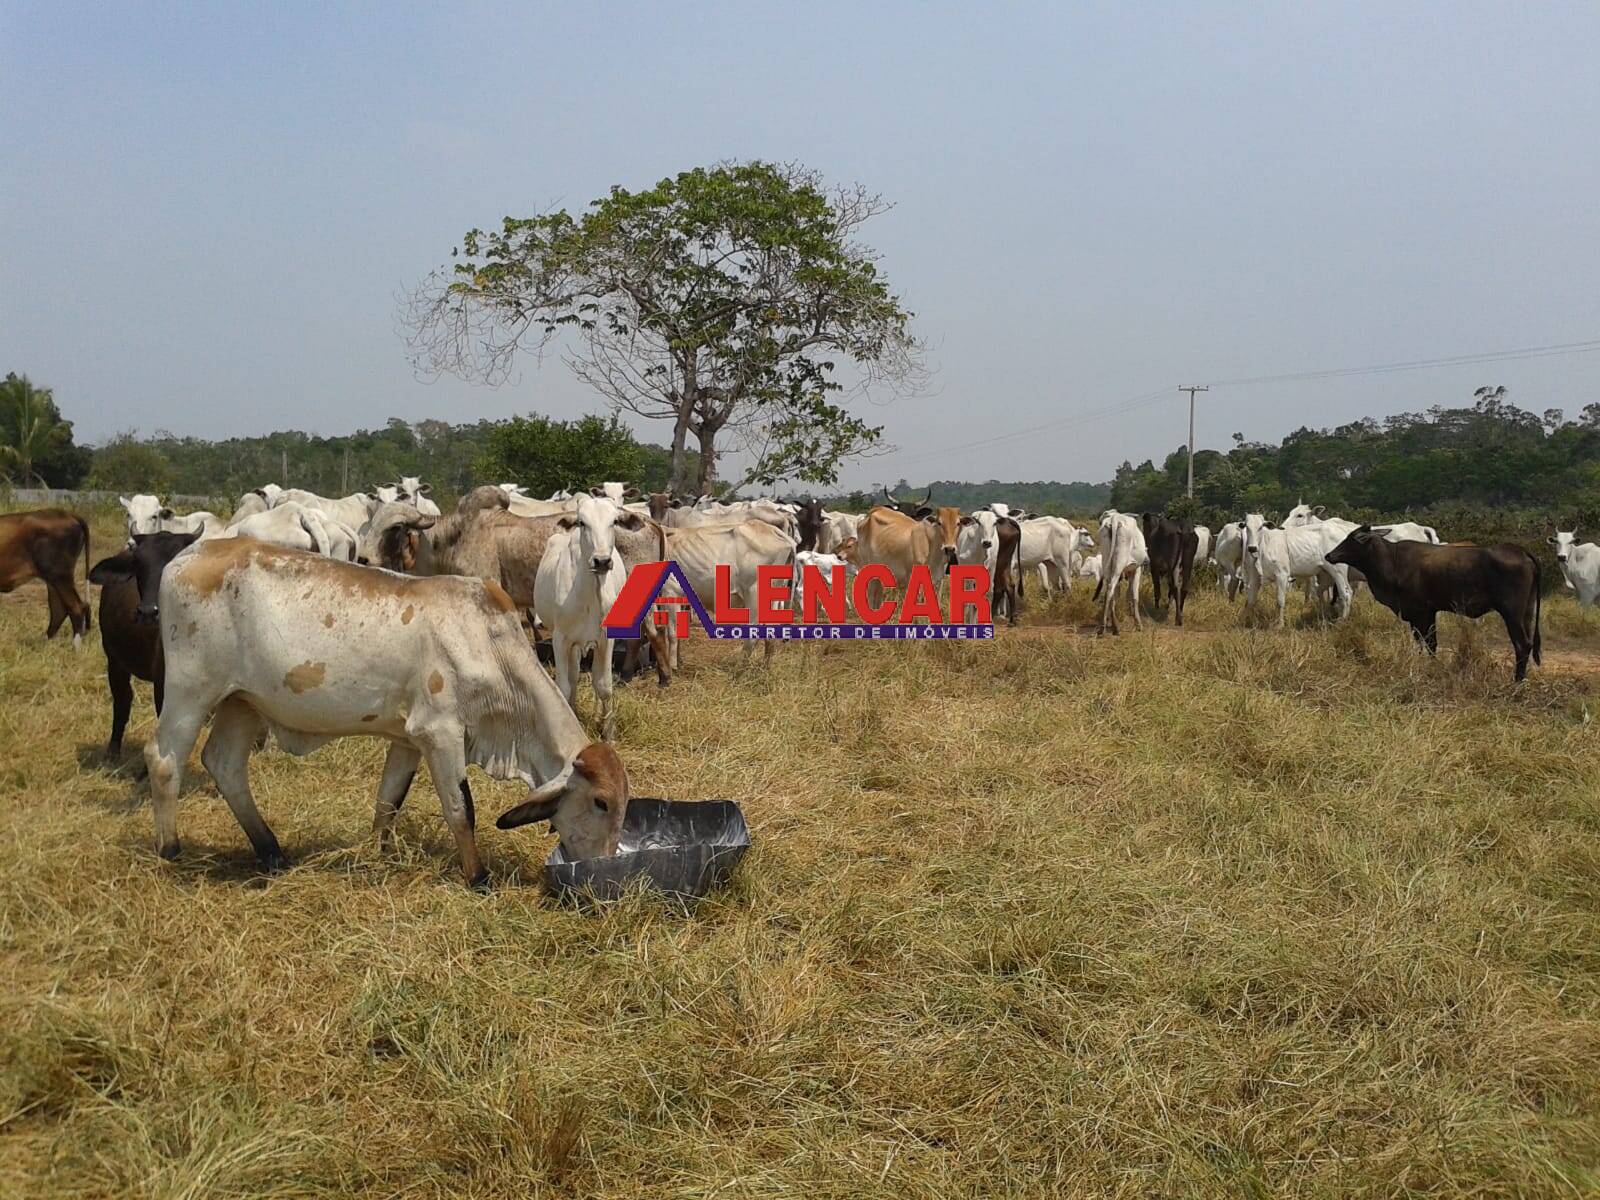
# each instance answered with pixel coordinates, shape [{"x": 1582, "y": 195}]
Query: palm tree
[{"x": 30, "y": 428}]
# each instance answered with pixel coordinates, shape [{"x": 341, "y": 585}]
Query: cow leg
[
  {"x": 399, "y": 769},
  {"x": 568, "y": 659},
  {"x": 1155, "y": 593},
  {"x": 58, "y": 609},
  {"x": 1283, "y": 598},
  {"x": 77, "y": 610},
  {"x": 1108, "y": 610},
  {"x": 121, "y": 685},
  {"x": 1521, "y": 646},
  {"x": 1133, "y": 597},
  {"x": 657, "y": 640},
  {"x": 1180, "y": 593},
  {"x": 227, "y": 758},
  {"x": 447, "y": 763},
  {"x": 165, "y": 756},
  {"x": 604, "y": 693},
  {"x": 1425, "y": 628}
]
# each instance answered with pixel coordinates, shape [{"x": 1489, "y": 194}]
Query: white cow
[
  {"x": 1089, "y": 568},
  {"x": 1049, "y": 543},
  {"x": 824, "y": 564},
  {"x": 146, "y": 514},
  {"x": 1228, "y": 553},
  {"x": 1408, "y": 531},
  {"x": 418, "y": 494},
  {"x": 1202, "y": 549},
  {"x": 1283, "y": 555},
  {"x": 314, "y": 650},
  {"x": 523, "y": 506},
  {"x": 354, "y": 509},
  {"x": 1580, "y": 565},
  {"x": 290, "y": 525},
  {"x": 579, "y": 579},
  {"x": 714, "y": 512},
  {"x": 1124, "y": 557},
  {"x": 837, "y": 528}
]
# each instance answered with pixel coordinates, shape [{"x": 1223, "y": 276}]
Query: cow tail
[
  {"x": 1538, "y": 607},
  {"x": 88, "y": 609}
]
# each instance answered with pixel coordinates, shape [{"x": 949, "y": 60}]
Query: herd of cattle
[{"x": 377, "y": 614}]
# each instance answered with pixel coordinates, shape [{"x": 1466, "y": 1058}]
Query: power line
[{"x": 1553, "y": 350}]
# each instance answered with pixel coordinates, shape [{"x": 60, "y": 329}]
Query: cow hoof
[
  {"x": 480, "y": 882},
  {"x": 661, "y": 683},
  {"x": 274, "y": 864},
  {"x": 113, "y": 751},
  {"x": 169, "y": 852}
]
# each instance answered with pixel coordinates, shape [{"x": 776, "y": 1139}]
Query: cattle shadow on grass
[
  {"x": 205, "y": 862},
  {"x": 128, "y": 765}
]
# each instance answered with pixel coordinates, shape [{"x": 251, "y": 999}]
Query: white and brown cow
[
  {"x": 893, "y": 539},
  {"x": 259, "y": 638}
]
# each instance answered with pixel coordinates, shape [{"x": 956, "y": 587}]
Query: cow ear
[
  {"x": 541, "y": 803},
  {"x": 630, "y": 520},
  {"x": 421, "y": 522},
  {"x": 969, "y": 520},
  {"x": 116, "y": 569},
  {"x": 924, "y": 513},
  {"x": 1551, "y": 540},
  {"x": 190, "y": 539},
  {"x": 425, "y": 489},
  {"x": 567, "y": 522},
  {"x": 165, "y": 514},
  {"x": 1318, "y": 511},
  {"x": 631, "y": 493}
]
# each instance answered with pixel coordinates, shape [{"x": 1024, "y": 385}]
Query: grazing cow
[
  {"x": 44, "y": 544},
  {"x": 1202, "y": 545},
  {"x": 259, "y": 638},
  {"x": 251, "y": 503},
  {"x": 353, "y": 510},
  {"x": 578, "y": 580},
  {"x": 1580, "y": 565},
  {"x": 1417, "y": 582},
  {"x": 1283, "y": 555},
  {"x": 130, "y": 632},
  {"x": 1228, "y": 554},
  {"x": 1125, "y": 556},
  {"x": 1172, "y": 546}
]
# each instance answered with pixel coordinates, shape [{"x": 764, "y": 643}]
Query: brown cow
[
  {"x": 44, "y": 544},
  {"x": 900, "y": 542},
  {"x": 1008, "y": 572}
]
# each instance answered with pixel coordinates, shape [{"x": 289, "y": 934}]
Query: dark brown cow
[
  {"x": 808, "y": 522},
  {"x": 1007, "y": 596},
  {"x": 130, "y": 626},
  {"x": 1418, "y": 581},
  {"x": 44, "y": 544},
  {"x": 1171, "y": 545}
]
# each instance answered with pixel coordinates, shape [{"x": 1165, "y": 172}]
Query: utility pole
[{"x": 1192, "y": 389}]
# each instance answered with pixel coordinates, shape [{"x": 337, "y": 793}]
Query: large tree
[
  {"x": 35, "y": 443},
  {"x": 725, "y": 300},
  {"x": 544, "y": 455}
]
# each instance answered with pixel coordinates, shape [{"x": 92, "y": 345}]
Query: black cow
[
  {"x": 1172, "y": 545},
  {"x": 808, "y": 520},
  {"x": 1418, "y": 581},
  {"x": 130, "y": 629},
  {"x": 1007, "y": 596},
  {"x": 911, "y": 508}
]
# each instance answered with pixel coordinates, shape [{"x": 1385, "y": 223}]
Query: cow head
[
  {"x": 947, "y": 523},
  {"x": 145, "y": 514},
  {"x": 911, "y": 508},
  {"x": 585, "y": 803},
  {"x": 1303, "y": 514},
  {"x": 1250, "y": 532},
  {"x": 977, "y": 537},
  {"x": 1360, "y": 548},
  {"x": 597, "y": 520},
  {"x": 411, "y": 486},
  {"x": 1564, "y": 542},
  {"x": 390, "y": 538},
  {"x": 142, "y": 564}
]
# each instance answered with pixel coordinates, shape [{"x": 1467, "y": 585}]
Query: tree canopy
[
  {"x": 1490, "y": 454},
  {"x": 35, "y": 442},
  {"x": 723, "y": 300}
]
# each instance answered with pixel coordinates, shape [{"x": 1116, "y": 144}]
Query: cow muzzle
[
  {"x": 1561, "y": 558},
  {"x": 147, "y": 614},
  {"x": 601, "y": 565}
]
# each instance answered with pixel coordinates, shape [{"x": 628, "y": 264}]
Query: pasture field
[{"x": 1220, "y": 911}]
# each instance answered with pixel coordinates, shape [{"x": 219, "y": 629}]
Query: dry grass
[{"x": 1217, "y": 913}]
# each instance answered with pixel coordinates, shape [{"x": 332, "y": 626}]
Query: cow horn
[{"x": 929, "y": 496}]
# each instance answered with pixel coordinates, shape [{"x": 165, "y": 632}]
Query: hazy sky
[{"x": 205, "y": 215}]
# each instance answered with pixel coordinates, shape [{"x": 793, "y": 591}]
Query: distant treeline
[
  {"x": 453, "y": 458},
  {"x": 1465, "y": 470},
  {"x": 1040, "y": 496}
]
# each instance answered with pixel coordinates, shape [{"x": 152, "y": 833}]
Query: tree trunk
[
  {"x": 680, "y": 436},
  {"x": 707, "y": 434}
]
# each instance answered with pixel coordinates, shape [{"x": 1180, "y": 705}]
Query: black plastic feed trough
[{"x": 682, "y": 848}]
